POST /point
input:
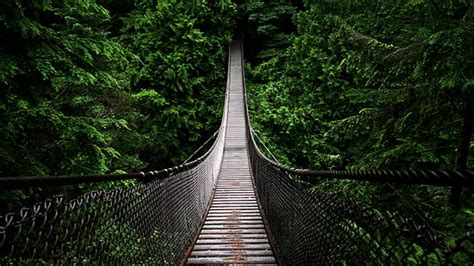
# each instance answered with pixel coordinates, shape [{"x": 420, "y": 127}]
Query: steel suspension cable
[
  {"x": 390, "y": 185},
  {"x": 263, "y": 144},
  {"x": 202, "y": 146}
]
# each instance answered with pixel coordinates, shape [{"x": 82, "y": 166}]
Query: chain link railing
[
  {"x": 151, "y": 222},
  {"x": 312, "y": 227},
  {"x": 145, "y": 223}
]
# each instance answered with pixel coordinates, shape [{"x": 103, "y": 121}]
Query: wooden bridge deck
[{"x": 233, "y": 232}]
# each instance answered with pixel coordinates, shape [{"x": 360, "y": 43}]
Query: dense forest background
[
  {"x": 361, "y": 85},
  {"x": 94, "y": 87}
]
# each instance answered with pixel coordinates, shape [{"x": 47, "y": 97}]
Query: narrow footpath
[{"x": 234, "y": 232}]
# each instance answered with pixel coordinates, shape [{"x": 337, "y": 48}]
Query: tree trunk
[{"x": 464, "y": 145}]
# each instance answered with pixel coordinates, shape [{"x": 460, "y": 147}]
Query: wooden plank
[
  {"x": 234, "y": 211},
  {"x": 233, "y": 260},
  {"x": 223, "y": 194},
  {"x": 240, "y": 196},
  {"x": 239, "y": 246},
  {"x": 238, "y": 189},
  {"x": 227, "y": 236},
  {"x": 235, "y": 207},
  {"x": 245, "y": 201},
  {"x": 234, "y": 192},
  {"x": 222, "y": 253},
  {"x": 239, "y": 207},
  {"x": 235, "y": 195},
  {"x": 230, "y": 186},
  {"x": 259, "y": 221},
  {"x": 234, "y": 187},
  {"x": 229, "y": 240},
  {"x": 234, "y": 204},
  {"x": 233, "y": 231},
  {"x": 231, "y": 218},
  {"x": 233, "y": 226}
]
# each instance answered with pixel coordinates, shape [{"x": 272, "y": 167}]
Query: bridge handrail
[
  {"x": 22, "y": 182},
  {"x": 435, "y": 177},
  {"x": 149, "y": 222},
  {"x": 36, "y": 181},
  {"x": 348, "y": 231}
]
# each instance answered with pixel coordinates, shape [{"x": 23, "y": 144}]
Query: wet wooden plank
[
  {"x": 234, "y": 207},
  {"x": 235, "y": 200},
  {"x": 240, "y": 196},
  {"x": 242, "y": 203},
  {"x": 233, "y": 214},
  {"x": 235, "y": 211},
  {"x": 231, "y": 218}
]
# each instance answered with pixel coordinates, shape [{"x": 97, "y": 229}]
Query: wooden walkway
[{"x": 233, "y": 232}]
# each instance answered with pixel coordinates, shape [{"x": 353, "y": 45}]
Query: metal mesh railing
[
  {"x": 312, "y": 227},
  {"x": 151, "y": 222},
  {"x": 145, "y": 223}
]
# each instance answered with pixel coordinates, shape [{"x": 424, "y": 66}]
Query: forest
[{"x": 91, "y": 87}]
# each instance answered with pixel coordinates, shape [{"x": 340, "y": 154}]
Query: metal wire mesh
[
  {"x": 139, "y": 224},
  {"x": 147, "y": 223},
  {"x": 310, "y": 226},
  {"x": 151, "y": 222}
]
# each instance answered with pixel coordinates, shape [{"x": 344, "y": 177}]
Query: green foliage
[
  {"x": 95, "y": 87},
  {"x": 392, "y": 91},
  {"x": 178, "y": 85},
  {"x": 266, "y": 27},
  {"x": 367, "y": 85},
  {"x": 76, "y": 100},
  {"x": 60, "y": 89}
]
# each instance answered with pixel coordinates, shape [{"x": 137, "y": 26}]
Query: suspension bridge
[{"x": 231, "y": 205}]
